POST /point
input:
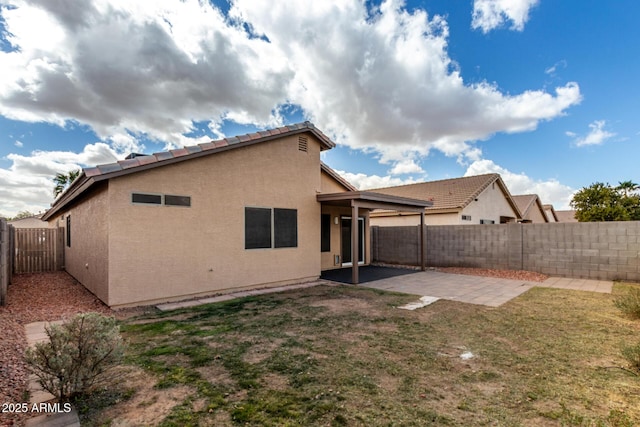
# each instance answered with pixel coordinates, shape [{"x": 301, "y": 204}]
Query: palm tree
[
  {"x": 63, "y": 180},
  {"x": 627, "y": 187}
]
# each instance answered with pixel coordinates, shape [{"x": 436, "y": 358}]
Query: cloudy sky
[{"x": 544, "y": 92}]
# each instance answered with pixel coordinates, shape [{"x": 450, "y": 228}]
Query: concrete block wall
[{"x": 605, "y": 250}]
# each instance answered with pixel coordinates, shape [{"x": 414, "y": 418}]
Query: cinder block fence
[{"x": 597, "y": 250}]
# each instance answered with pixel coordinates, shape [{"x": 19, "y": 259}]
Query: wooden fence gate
[{"x": 38, "y": 250}]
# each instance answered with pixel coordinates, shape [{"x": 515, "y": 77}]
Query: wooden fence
[
  {"x": 38, "y": 250},
  {"x": 6, "y": 259}
]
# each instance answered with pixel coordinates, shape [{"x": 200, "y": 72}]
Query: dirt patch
[
  {"x": 528, "y": 276},
  {"x": 148, "y": 406},
  {"x": 261, "y": 351},
  {"x": 345, "y": 305}
]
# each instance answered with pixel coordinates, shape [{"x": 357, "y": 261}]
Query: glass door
[{"x": 346, "y": 236}]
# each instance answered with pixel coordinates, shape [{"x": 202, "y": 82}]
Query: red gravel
[
  {"x": 34, "y": 298},
  {"x": 528, "y": 276}
]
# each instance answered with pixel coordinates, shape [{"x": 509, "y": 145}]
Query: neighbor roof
[
  {"x": 566, "y": 216},
  {"x": 549, "y": 210},
  {"x": 526, "y": 202},
  {"x": 138, "y": 163},
  {"x": 450, "y": 195}
]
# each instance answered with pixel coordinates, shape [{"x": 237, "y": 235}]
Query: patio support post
[
  {"x": 422, "y": 238},
  {"x": 355, "y": 231}
]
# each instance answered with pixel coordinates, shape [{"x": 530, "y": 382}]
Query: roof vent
[{"x": 303, "y": 143}]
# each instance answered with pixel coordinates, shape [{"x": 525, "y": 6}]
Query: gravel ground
[
  {"x": 528, "y": 276},
  {"x": 34, "y": 298}
]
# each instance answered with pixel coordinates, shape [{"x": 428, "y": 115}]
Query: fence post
[{"x": 4, "y": 261}]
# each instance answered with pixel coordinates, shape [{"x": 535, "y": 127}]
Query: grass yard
[{"x": 346, "y": 356}]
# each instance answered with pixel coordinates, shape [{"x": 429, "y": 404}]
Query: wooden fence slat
[{"x": 38, "y": 250}]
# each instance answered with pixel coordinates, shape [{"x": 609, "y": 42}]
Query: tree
[
  {"x": 23, "y": 214},
  {"x": 628, "y": 187},
  {"x": 602, "y": 202},
  {"x": 62, "y": 181}
]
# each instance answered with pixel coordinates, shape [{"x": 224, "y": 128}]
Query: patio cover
[{"x": 371, "y": 200}]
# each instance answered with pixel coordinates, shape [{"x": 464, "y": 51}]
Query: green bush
[
  {"x": 629, "y": 303},
  {"x": 77, "y": 356}
]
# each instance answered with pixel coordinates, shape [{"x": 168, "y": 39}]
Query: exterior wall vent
[
  {"x": 466, "y": 217},
  {"x": 303, "y": 143}
]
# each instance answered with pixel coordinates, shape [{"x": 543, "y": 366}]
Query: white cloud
[
  {"x": 365, "y": 182},
  {"x": 19, "y": 144},
  {"x": 554, "y": 68},
  {"x": 491, "y": 14},
  {"x": 550, "y": 191},
  {"x": 406, "y": 166},
  {"x": 376, "y": 79},
  {"x": 28, "y": 183},
  {"x": 597, "y": 135},
  {"x": 379, "y": 79}
]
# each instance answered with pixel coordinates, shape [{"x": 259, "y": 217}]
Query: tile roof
[
  {"x": 184, "y": 153},
  {"x": 449, "y": 194},
  {"x": 136, "y": 163},
  {"x": 527, "y": 202},
  {"x": 566, "y": 216}
]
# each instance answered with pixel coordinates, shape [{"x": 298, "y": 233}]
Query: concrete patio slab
[{"x": 489, "y": 291}]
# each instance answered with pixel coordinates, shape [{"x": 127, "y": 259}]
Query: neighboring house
[
  {"x": 566, "y": 216},
  {"x": 255, "y": 210},
  {"x": 30, "y": 222},
  {"x": 480, "y": 199},
  {"x": 550, "y": 212},
  {"x": 531, "y": 208}
]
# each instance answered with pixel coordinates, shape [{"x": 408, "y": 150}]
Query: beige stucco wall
[
  {"x": 491, "y": 205},
  {"x": 535, "y": 215},
  {"x": 162, "y": 252},
  {"x": 87, "y": 258}
]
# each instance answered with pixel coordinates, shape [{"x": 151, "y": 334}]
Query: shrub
[
  {"x": 77, "y": 356},
  {"x": 629, "y": 303}
]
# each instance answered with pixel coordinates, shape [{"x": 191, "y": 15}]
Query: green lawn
[{"x": 347, "y": 356}]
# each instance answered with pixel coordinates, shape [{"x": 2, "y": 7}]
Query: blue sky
[{"x": 545, "y": 93}]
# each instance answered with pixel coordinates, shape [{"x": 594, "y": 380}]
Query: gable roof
[
  {"x": 340, "y": 180},
  {"x": 451, "y": 195},
  {"x": 138, "y": 163},
  {"x": 549, "y": 210},
  {"x": 527, "y": 202}
]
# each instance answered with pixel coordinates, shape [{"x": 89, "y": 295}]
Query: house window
[
  {"x": 147, "y": 199},
  {"x": 325, "y": 233},
  {"x": 487, "y": 221},
  {"x": 177, "y": 200},
  {"x": 285, "y": 228},
  {"x": 257, "y": 228},
  {"x": 68, "y": 231},
  {"x": 266, "y": 228},
  {"x": 466, "y": 217}
]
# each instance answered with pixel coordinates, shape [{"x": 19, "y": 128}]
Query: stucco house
[
  {"x": 551, "y": 213},
  {"x": 479, "y": 199},
  {"x": 255, "y": 210},
  {"x": 30, "y": 222},
  {"x": 531, "y": 208}
]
